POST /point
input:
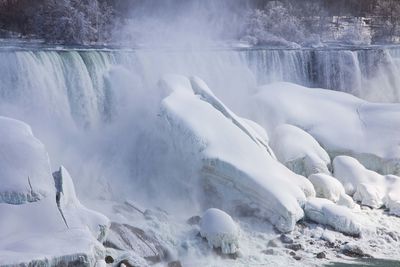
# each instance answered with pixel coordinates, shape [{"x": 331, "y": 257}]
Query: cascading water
[{"x": 77, "y": 101}]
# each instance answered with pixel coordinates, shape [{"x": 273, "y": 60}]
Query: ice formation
[
  {"x": 330, "y": 188},
  {"x": 299, "y": 151},
  {"x": 36, "y": 225},
  {"x": 238, "y": 170},
  {"x": 341, "y": 123},
  {"x": 24, "y": 165},
  {"x": 366, "y": 186},
  {"x": 220, "y": 231},
  {"x": 326, "y": 212}
]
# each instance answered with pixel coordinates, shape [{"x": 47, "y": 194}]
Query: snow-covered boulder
[
  {"x": 220, "y": 231},
  {"x": 299, "y": 151},
  {"x": 351, "y": 173},
  {"x": 366, "y": 186},
  {"x": 341, "y": 123},
  {"x": 25, "y": 174},
  {"x": 33, "y": 228},
  {"x": 330, "y": 188},
  {"x": 326, "y": 212},
  {"x": 238, "y": 171},
  {"x": 74, "y": 213}
]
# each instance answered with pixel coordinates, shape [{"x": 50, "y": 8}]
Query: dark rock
[
  {"x": 297, "y": 258},
  {"x": 130, "y": 238},
  {"x": 174, "y": 264},
  {"x": 194, "y": 220},
  {"x": 321, "y": 255},
  {"x": 311, "y": 242},
  {"x": 292, "y": 253},
  {"x": 273, "y": 243},
  {"x": 354, "y": 251},
  {"x": 269, "y": 251},
  {"x": 109, "y": 259},
  {"x": 294, "y": 247},
  {"x": 286, "y": 239}
]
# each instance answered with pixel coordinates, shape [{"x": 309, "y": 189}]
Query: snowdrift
[
  {"x": 299, "y": 151},
  {"x": 239, "y": 172},
  {"x": 368, "y": 187},
  {"x": 41, "y": 222},
  {"x": 220, "y": 231},
  {"x": 341, "y": 123}
]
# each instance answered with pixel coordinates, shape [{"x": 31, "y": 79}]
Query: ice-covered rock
[
  {"x": 341, "y": 123},
  {"x": 220, "y": 231},
  {"x": 24, "y": 164},
  {"x": 33, "y": 228},
  {"x": 125, "y": 237},
  {"x": 326, "y": 212},
  {"x": 74, "y": 213},
  {"x": 368, "y": 187},
  {"x": 330, "y": 188},
  {"x": 299, "y": 151},
  {"x": 238, "y": 170}
]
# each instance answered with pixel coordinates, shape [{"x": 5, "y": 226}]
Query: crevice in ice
[{"x": 58, "y": 184}]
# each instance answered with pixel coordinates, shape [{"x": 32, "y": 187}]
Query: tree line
[{"x": 89, "y": 21}]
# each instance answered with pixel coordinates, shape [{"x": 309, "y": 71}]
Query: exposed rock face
[{"x": 129, "y": 238}]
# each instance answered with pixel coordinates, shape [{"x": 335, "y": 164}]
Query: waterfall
[
  {"x": 71, "y": 84},
  {"x": 94, "y": 109}
]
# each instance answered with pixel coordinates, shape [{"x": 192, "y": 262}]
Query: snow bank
[
  {"x": 299, "y": 151},
  {"x": 36, "y": 225},
  {"x": 330, "y": 188},
  {"x": 24, "y": 164},
  {"x": 326, "y": 212},
  {"x": 74, "y": 212},
  {"x": 341, "y": 123},
  {"x": 239, "y": 172},
  {"x": 368, "y": 187},
  {"x": 220, "y": 231}
]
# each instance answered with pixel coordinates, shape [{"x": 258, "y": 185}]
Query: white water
[{"x": 94, "y": 109}]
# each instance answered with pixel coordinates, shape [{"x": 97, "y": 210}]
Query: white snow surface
[
  {"x": 34, "y": 229},
  {"x": 341, "y": 123},
  {"x": 24, "y": 164},
  {"x": 299, "y": 151},
  {"x": 330, "y": 188},
  {"x": 220, "y": 230},
  {"x": 366, "y": 186},
  {"x": 238, "y": 170},
  {"x": 326, "y": 212}
]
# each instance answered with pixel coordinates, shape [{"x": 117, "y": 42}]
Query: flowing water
[{"x": 91, "y": 106}]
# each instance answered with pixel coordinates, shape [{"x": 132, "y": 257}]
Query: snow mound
[
  {"x": 24, "y": 164},
  {"x": 330, "y": 188},
  {"x": 341, "y": 123},
  {"x": 326, "y": 212},
  {"x": 220, "y": 231},
  {"x": 74, "y": 213},
  {"x": 238, "y": 171},
  {"x": 48, "y": 229},
  {"x": 299, "y": 151},
  {"x": 366, "y": 186}
]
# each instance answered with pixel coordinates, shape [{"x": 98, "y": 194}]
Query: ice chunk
[
  {"x": 299, "y": 151},
  {"x": 341, "y": 123},
  {"x": 75, "y": 214},
  {"x": 238, "y": 171},
  {"x": 326, "y": 212},
  {"x": 369, "y": 188},
  {"x": 220, "y": 231},
  {"x": 327, "y": 187},
  {"x": 24, "y": 164},
  {"x": 34, "y": 231}
]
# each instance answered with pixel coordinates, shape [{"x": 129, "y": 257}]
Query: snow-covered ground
[{"x": 275, "y": 188}]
